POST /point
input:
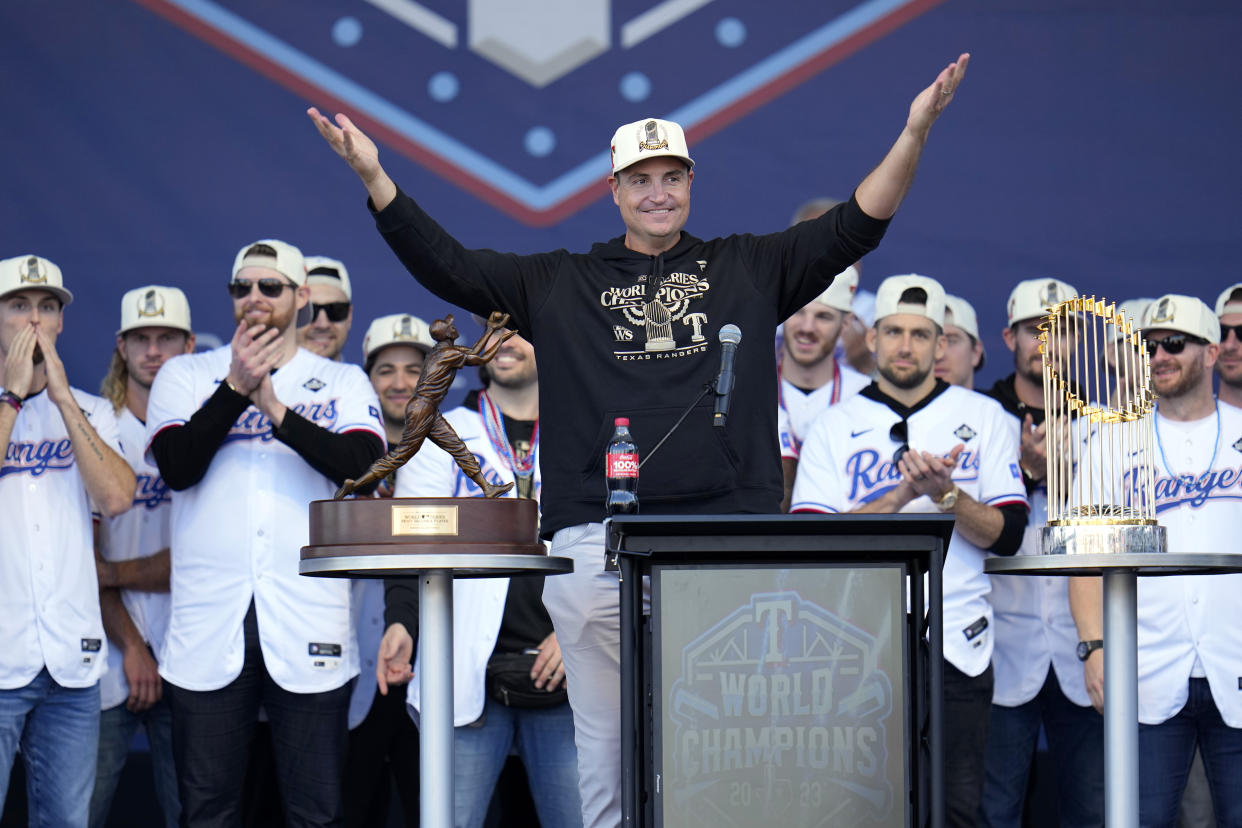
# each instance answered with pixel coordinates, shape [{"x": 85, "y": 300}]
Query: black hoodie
[{"x": 604, "y": 351}]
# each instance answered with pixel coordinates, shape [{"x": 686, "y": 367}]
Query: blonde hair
[{"x": 115, "y": 383}]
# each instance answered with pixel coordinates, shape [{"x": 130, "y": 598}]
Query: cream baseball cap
[
  {"x": 1228, "y": 302},
  {"x": 155, "y": 306},
  {"x": 320, "y": 270},
  {"x": 397, "y": 329},
  {"x": 1133, "y": 309},
  {"x": 840, "y": 294},
  {"x": 648, "y": 138},
  {"x": 30, "y": 272},
  {"x": 888, "y": 298},
  {"x": 280, "y": 256},
  {"x": 1185, "y": 314},
  {"x": 1035, "y": 297},
  {"x": 960, "y": 313}
]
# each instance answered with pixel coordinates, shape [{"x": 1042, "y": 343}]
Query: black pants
[
  {"x": 211, "y": 744},
  {"x": 383, "y": 750},
  {"x": 967, "y": 711}
]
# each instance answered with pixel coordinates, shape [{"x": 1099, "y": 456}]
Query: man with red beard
[
  {"x": 1229, "y": 363},
  {"x": 811, "y": 376},
  {"x": 246, "y": 436},
  {"x": 1189, "y": 628}
]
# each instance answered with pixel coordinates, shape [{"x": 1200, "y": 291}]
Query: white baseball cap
[
  {"x": 1132, "y": 308},
  {"x": 1228, "y": 302},
  {"x": 888, "y": 298},
  {"x": 1185, "y": 314},
  {"x": 1035, "y": 297},
  {"x": 840, "y": 294},
  {"x": 155, "y": 306},
  {"x": 959, "y": 313},
  {"x": 397, "y": 329},
  {"x": 648, "y": 138},
  {"x": 280, "y": 256},
  {"x": 320, "y": 270},
  {"x": 30, "y": 272}
]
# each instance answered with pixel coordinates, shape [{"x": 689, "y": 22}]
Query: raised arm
[
  {"x": 359, "y": 152},
  {"x": 881, "y": 192}
]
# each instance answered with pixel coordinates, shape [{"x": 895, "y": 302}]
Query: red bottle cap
[{"x": 621, "y": 421}]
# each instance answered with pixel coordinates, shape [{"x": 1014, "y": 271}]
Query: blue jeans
[
  {"x": 1167, "y": 749},
  {"x": 116, "y": 730},
  {"x": 57, "y": 729},
  {"x": 545, "y": 742},
  {"x": 1076, "y": 742}
]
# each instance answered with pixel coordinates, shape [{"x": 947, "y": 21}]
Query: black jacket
[{"x": 604, "y": 352}]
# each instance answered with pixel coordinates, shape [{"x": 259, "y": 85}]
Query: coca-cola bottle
[{"x": 621, "y": 471}]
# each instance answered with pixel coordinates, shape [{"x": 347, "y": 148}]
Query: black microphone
[{"x": 730, "y": 336}]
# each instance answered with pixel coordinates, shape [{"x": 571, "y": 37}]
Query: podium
[{"x": 780, "y": 677}]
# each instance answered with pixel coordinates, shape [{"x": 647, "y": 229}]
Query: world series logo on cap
[
  {"x": 650, "y": 138},
  {"x": 32, "y": 273},
  {"x": 404, "y": 329},
  {"x": 150, "y": 305},
  {"x": 1163, "y": 312}
]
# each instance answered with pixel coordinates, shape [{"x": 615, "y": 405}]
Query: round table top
[
  {"x": 461, "y": 566},
  {"x": 1150, "y": 564}
]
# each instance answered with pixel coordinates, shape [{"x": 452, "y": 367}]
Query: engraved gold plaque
[{"x": 424, "y": 520}]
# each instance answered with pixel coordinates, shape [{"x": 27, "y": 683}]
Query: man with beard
[
  {"x": 134, "y": 558},
  {"x": 383, "y": 741},
  {"x": 1039, "y": 681},
  {"x": 912, "y": 443},
  {"x": 61, "y": 461},
  {"x": 1229, "y": 363},
  {"x": 494, "y": 618},
  {"x": 330, "y": 311},
  {"x": 963, "y": 352},
  {"x": 811, "y": 377},
  {"x": 246, "y": 436},
  {"x": 1189, "y": 628}
]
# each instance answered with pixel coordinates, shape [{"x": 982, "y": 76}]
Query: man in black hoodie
[{"x": 625, "y": 323}]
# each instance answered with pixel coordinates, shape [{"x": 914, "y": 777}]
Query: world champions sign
[{"x": 778, "y": 710}]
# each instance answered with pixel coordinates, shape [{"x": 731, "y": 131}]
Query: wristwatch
[
  {"x": 948, "y": 500},
  {"x": 1086, "y": 648}
]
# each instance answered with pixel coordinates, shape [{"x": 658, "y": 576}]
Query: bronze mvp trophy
[{"x": 435, "y": 540}]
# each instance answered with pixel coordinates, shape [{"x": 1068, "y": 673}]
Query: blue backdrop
[{"x": 146, "y": 141}]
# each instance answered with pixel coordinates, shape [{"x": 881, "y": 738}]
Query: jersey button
[{"x": 260, "y": 533}]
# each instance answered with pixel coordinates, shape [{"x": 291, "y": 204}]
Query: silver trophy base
[{"x": 1104, "y": 539}]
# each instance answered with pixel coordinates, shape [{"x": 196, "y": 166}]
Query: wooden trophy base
[{"x": 378, "y": 537}]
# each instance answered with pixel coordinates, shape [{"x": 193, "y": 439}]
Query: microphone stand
[{"x": 708, "y": 388}]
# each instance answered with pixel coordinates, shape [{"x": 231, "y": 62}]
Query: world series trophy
[{"x": 1099, "y": 432}]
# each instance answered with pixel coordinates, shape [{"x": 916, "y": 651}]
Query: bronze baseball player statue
[{"x": 422, "y": 414}]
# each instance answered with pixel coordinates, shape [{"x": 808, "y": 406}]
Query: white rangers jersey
[
  {"x": 847, "y": 461},
  {"x": 140, "y": 532},
  {"x": 1192, "y": 625},
  {"x": 1034, "y": 627},
  {"x": 48, "y": 587},
  {"x": 238, "y": 532},
  {"x": 797, "y": 410},
  {"x": 478, "y": 603}
]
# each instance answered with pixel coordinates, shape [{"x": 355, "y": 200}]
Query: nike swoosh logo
[{"x": 864, "y": 431}]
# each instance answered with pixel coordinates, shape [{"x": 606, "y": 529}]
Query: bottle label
[{"x": 622, "y": 465}]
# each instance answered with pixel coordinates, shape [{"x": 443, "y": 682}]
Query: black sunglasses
[
  {"x": 271, "y": 288},
  {"x": 336, "y": 311},
  {"x": 899, "y": 433},
  {"x": 1225, "y": 329},
  {"x": 1173, "y": 344}
]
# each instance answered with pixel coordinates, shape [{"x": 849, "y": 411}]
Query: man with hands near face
[
  {"x": 912, "y": 443},
  {"x": 246, "y": 436},
  {"x": 61, "y": 463}
]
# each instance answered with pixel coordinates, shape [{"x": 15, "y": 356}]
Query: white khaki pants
[{"x": 585, "y": 610}]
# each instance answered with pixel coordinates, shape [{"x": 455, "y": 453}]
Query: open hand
[
  {"x": 929, "y": 474},
  {"x": 57, "y": 382},
  {"x": 256, "y": 351},
  {"x": 350, "y": 143},
  {"x": 932, "y": 100},
  {"x": 19, "y": 362}
]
